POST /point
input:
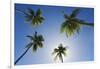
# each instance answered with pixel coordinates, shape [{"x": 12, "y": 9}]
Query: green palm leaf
[
  {"x": 75, "y": 13},
  {"x": 35, "y": 47},
  {"x": 30, "y": 37},
  {"x": 39, "y": 12}
]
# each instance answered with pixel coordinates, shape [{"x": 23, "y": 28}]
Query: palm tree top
[
  {"x": 31, "y": 16},
  {"x": 36, "y": 40},
  {"x": 35, "y": 17},
  {"x": 73, "y": 24},
  {"x": 59, "y": 52}
]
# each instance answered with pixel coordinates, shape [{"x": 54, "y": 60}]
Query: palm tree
[
  {"x": 35, "y": 43},
  {"x": 73, "y": 24},
  {"x": 35, "y": 18},
  {"x": 59, "y": 52}
]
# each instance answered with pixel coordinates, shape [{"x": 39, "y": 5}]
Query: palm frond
[
  {"x": 40, "y": 37},
  {"x": 82, "y": 22},
  {"x": 40, "y": 20},
  {"x": 40, "y": 44},
  {"x": 30, "y": 15},
  {"x": 28, "y": 18},
  {"x": 30, "y": 12},
  {"x": 66, "y": 16},
  {"x": 75, "y": 13},
  {"x": 35, "y": 47},
  {"x": 57, "y": 55},
  {"x": 64, "y": 53},
  {"x": 39, "y": 12},
  {"x": 55, "y": 51},
  {"x": 63, "y": 26},
  {"x": 31, "y": 37}
]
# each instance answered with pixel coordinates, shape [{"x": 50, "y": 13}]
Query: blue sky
[{"x": 81, "y": 46}]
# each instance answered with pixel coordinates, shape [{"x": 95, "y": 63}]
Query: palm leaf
[
  {"x": 57, "y": 55},
  {"x": 30, "y": 12},
  {"x": 40, "y": 45},
  {"x": 63, "y": 26},
  {"x": 39, "y": 12},
  {"x": 82, "y": 22},
  {"x": 35, "y": 47},
  {"x": 66, "y": 16},
  {"x": 30, "y": 15},
  {"x": 75, "y": 13},
  {"x": 40, "y": 37},
  {"x": 64, "y": 53},
  {"x": 31, "y": 37},
  {"x": 40, "y": 20},
  {"x": 55, "y": 51}
]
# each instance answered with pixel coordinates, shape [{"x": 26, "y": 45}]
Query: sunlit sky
[{"x": 81, "y": 46}]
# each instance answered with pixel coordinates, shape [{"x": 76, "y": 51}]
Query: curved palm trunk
[
  {"x": 61, "y": 58},
  {"x": 22, "y": 55},
  {"x": 88, "y": 24}
]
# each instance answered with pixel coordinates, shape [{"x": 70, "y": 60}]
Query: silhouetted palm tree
[
  {"x": 35, "y": 18},
  {"x": 35, "y": 43},
  {"x": 73, "y": 24},
  {"x": 59, "y": 52}
]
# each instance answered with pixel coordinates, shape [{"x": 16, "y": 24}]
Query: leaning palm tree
[
  {"x": 59, "y": 52},
  {"x": 36, "y": 41},
  {"x": 73, "y": 24},
  {"x": 35, "y": 18}
]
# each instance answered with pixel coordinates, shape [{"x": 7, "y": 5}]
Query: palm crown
[
  {"x": 59, "y": 52},
  {"x": 72, "y": 24},
  {"x": 35, "y": 18},
  {"x": 36, "y": 41}
]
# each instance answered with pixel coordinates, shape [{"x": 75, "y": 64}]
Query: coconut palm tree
[
  {"x": 36, "y": 41},
  {"x": 59, "y": 52},
  {"x": 73, "y": 24},
  {"x": 35, "y": 18}
]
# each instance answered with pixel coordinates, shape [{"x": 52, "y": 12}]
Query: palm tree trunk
[
  {"x": 22, "y": 55},
  {"x": 88, "y": 24},
  {"x": 61, "y": 58}
]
